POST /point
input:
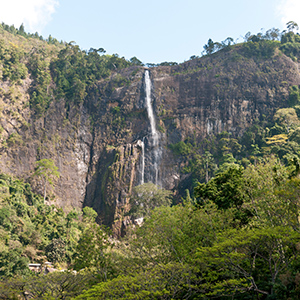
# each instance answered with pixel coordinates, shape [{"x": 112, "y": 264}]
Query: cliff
[{"x": 97, "y": 143}]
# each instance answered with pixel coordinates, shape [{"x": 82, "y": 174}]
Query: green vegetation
[
  {"x": 237, "y": 239},
  {"x": 58, "y": 70},
  {"x": 204, "y": 250},
  {"x": 263, "y": 44},
  {"x": 46, "y": 171},
  {"x": 14, "y": 140},
  {"x": 12, "y": 58},
  {"x": 38, "y": 66},
  {"x": 234, "y": 236},
  {"x": 27, "y": 226},
  {"x": 21, "y": 32},
  {"x": 146, "y": 197},
  {"x": 32, "y": 232}
]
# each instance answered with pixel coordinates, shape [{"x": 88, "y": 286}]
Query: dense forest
[
  {"x": 235, "y": 234},
  {"x": 238, "y": 237}
]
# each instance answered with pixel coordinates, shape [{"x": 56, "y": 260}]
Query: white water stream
[
  {"x": 152, "y": 151},
  {"x": 150, "y": 109},
  {"x": 143, "y": 161}
]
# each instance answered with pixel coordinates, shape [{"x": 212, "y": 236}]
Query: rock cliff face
[{"x": 97, "y": 146}]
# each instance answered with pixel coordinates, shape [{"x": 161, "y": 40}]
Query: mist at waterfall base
[{"x": 150, "y": 144}]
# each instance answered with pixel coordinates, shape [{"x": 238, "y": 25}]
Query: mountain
[{"x": 87, "y": 112}]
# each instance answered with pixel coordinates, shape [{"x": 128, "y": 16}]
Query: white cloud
[
  {"x": 34, "y": 14},
  {"x": 289, "y": 10}
]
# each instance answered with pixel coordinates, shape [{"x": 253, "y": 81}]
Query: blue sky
[{"x": 154, "y": 31}]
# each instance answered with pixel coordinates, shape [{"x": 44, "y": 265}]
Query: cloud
[
  {"x": 34, "y": 14},
  {"x": 288, "y": 10}
]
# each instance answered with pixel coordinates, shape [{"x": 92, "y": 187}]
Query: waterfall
[
  {"x": 143, "y": 161},
  {"x": 150, "y": 109},
  {"x": 151, "y": 151}
]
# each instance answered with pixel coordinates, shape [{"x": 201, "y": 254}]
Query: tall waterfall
[
  {"x": 151, "y": 152},
  {"x": 150, "y": 109}
]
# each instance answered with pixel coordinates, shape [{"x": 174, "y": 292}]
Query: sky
[{"x": 154, "y": 31}]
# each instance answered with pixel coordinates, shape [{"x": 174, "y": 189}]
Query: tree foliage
[
  {"x": 146, "y": 197},
  {"x": 47, "y": 172},
  {"x": 92, "y": 251}
]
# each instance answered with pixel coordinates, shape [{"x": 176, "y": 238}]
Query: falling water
[
  {"x": 143, "y": 161},
  {"x": 150, "y": 109},
  {"x": 150, "y": 150}
]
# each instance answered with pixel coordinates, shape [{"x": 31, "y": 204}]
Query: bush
[{"x": 181, "y": 148}]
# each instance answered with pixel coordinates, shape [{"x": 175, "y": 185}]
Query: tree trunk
[{"x": 45, "y": 190}]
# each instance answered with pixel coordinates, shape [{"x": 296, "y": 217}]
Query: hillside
[
  {"x": 194, "y": 166},
  {"x": 86, "y": 111}
]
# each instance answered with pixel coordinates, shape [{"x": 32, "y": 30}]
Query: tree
[
  {"x": 168, "y": 63},
  {"x": 146, "y": 197},
  {"x": 72, "y": 215},
  {"x": 209, "y": 165},
  {"x": 291, "y": 26},
  {"x": 56, "y": 285},
  {"x": 227, "y": 161},
  {"x": 22, "y": 29},
  {"x": 92, "y": 251},
  {"x": 171, "y": 281},
  {"x": 225, "y": 189},
  {"x": 168, "y": 240},
  {"x": 287, "y": 118},
  {"x": 272, "y": 34},
  {"x": 294, "y": 95},
  {"x": 254, "y": 38},
  {"x": 194, "y": 57},
  {"x": 247, "y": 36},
  {"x": 209, "y": 48},
  {"x": 100, "y": 50},
  {"x": 264, "y": 184},
  {"x": 56, "y": 250},
  {"x": 243, "y": 256},
  {"x": 150, "y": 65},
  {"x": 135, "y": 61},
  {"x": 47, "y": 172},
  {"x": 229, "y": 41},
  {"x": 89, "y": 214},
  {"x": 172, "y": 234},
  {"x": 12, "y": 263}
]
